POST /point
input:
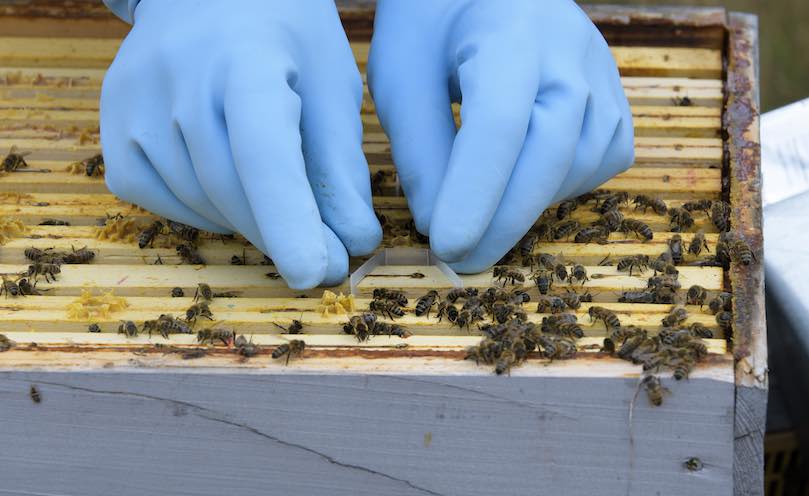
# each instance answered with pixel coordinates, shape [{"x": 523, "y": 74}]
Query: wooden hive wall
[{"x": 49, "y": 92}]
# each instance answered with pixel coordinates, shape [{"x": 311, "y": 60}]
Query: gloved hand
[
  {"x": 544, "y": 115},
  {"x": 243, "y": 115}
]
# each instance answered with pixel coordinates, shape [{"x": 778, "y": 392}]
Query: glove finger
[
  {"x": 130, "y": 174},
  {"x": 413, "y": 105},
  {"x": 131, "y": 177},
  {"x": 498, "y": 96},
  {"x": 331, "y": 131},
  {"x": 263, "y": 112},
  {"x": 165, "y": 147},
  {"x": 545, "y": 160},
  {"x": 209, "y": 146},
  {"x": 203, "y": 126},
  {"x": 608, "y": 120}
]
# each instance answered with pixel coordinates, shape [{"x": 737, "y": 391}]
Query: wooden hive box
[{"x": 386, "y": 416}]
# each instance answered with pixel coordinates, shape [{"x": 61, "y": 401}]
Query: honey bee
[
  {"x": 390, "y": 294},
  {"x": 639, "y": 262},
  {"x": 426, "y": 303},
  {"x": 166, "y": 324},
  {"x": 239, "y": 260},
  {"x": 638, "y": 297},
  {"x": 564, "y": 230},
  {"x": 128, "y": 328},
  {"x": 508, "y": 275},
  {"x": 392, "y": 330},
  {"x": 203, "y": 292},
  {"x": 680, "y": 219},
  {"x": 722, "y": 301},
  {"x": 225, "y": 336},
  {"x": 5, "y": 343},
  {"x": 677, "y": 316},
  {"x": 676, "y": 248},
  {"x": 487, "y": 351},
  {"x": 526, "y": 245},
  {"x": 388, "y": 308},
  {"x": 189, "y": 254},
  {"x": 377, "y": 179},
  {"x": 654, "y": 389},
  {"x": 560, "y": 271},
  {"x": 565, "y": 208},
  {"x": 544, "y": 261},
  {"x": 592, "y": 234},
  {"x": 246, "y": 348},
  {"x": 682, "y": 101},
  {"x": 49, "y": 270},
  {"x": 674, "y": 337},
  {"x": 54, "y": 222},
  {"x": 35, "y": 254},
  {"x": 724, "y": 319},
  {"x": 700, "y": 331},
  {"x": 612, "y": 220},
  {"x": 638, "y": 228},
  {"x": 15, "y": 161},
  {"x": 361, "y": 326},
  {"x": 197, "y": 310},
  {"x": 572, "y": 299},
  {"x": 296, "y": 327},
  {"x": 720, "y": 215},
  {"x": 183, "y": 231},
  {"x": 698, "y": 243},
  {"x": 80, "y": 256},
  {"x": 565, "y": 347},
  {"x": 29, "y": 289},
  {"x": 644, "y": 202},
  {"x": 504, "y": 362},
  {"x": 458, "y": 293},
  {"x": 502, "y": 312},
  {"x": 467, "y": 317},
  {"x": 292, "y": 349},
  {"x": 631, "y": 345},
  {"x": 177, "y": 292},
  {"x": 94, "y": 166},
  {"x": 148, "y": 235},
  {"x": 35, "y": 395},
  {"x": 611, "y": 202},
  {"x": 740, "y": 252},
  {"x": 681, "y": 366},
  {"x": 447, "y": 309},
  {"x": 551, "y": 304},
  {"x": 609, "y": 317},
  {"x": 543, "y": 280},
  {"x": 10, "y": 288},
  {"x": 696, "y": 295},
  {"x": 579, "y": 274},
  {"x": 698, "y": 205}
]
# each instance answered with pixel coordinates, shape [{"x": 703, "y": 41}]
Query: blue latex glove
[
  {"x": 244, "y": 116},
  {"x": 544, "y": 115}
]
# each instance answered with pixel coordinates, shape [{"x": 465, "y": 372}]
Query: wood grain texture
[{"x": 380, "y": 434}]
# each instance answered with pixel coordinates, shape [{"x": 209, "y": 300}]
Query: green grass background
[{"x": 784, "y": 43}]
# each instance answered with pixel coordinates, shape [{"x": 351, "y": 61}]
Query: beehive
[{"x": 707, "y": 150}]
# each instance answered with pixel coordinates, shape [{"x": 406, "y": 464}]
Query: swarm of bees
[{"x": 45, "y": 263}]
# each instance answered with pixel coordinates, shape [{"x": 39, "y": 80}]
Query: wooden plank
[
  {"x": 98, "y": 342},
  {"x": 272, "y": 428},
  {"x": 49, "y": 314},
  {"x": 251, "y": 281},
  {"x": 750, "y": 329}
]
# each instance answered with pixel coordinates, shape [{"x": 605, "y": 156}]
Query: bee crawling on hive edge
[{"x": 293, "y": 349}]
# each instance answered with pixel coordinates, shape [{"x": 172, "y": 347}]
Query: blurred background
[{"x": 784, "y": 31}]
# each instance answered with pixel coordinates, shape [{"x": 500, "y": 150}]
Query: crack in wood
[{"x": 215, "y": 416}]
